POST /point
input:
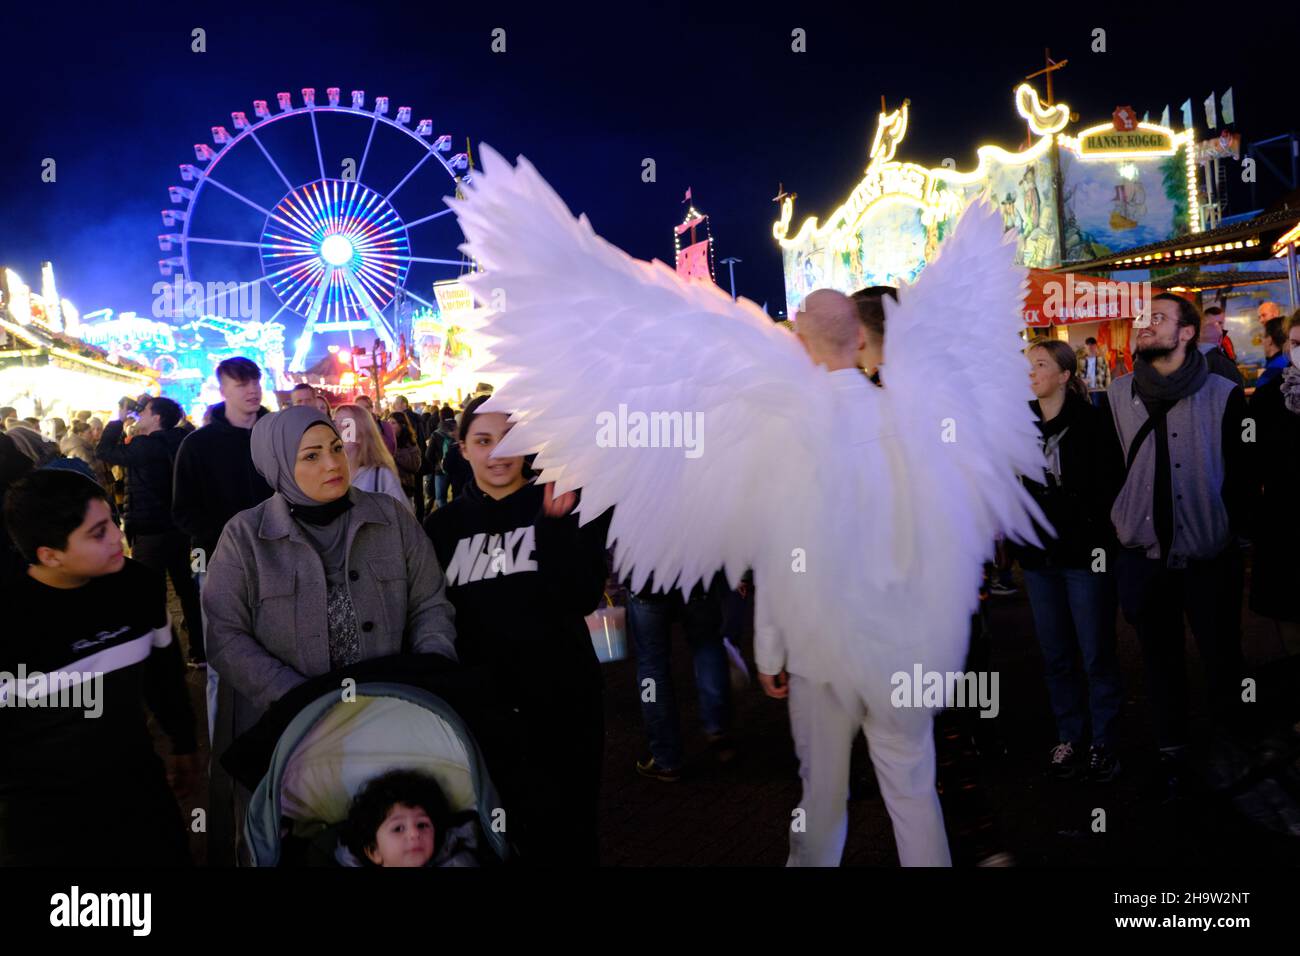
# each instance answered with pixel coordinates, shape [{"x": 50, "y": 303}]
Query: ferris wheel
[{"x": 324, "y": 205}]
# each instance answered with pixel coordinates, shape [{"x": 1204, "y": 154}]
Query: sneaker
[
  {"x": 1002, "y": 590},
  {"x": 723, "y": 747},
  {"x": 1103, "y": 765},
  {"x": 1065, "y": 761},
  {"x": 649, "y": 768}
]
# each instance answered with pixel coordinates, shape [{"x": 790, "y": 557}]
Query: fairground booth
[
  {"x": 1095, "y": 211},
  {"x": 46, "y": 369}
]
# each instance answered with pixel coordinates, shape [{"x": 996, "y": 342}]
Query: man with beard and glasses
[{"x": 1188, "y": 446}]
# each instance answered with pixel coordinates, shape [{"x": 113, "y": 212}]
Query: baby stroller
[{"x": 331, "y": 747}]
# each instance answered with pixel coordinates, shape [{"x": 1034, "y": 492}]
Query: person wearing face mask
[
  {"x": 318, "y": 577},
  {"x": 523, "y": 575},
  {"x": 1276, "y": 569}
]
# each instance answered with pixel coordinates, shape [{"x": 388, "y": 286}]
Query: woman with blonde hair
[{"x": 372, "y": 467}]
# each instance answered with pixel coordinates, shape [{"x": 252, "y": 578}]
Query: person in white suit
[{"x": 826, "y": 714}]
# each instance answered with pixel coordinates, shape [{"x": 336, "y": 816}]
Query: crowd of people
[{"x": 310, "y": 540}]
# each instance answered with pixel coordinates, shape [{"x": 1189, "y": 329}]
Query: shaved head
[{"x": 829, "y": 328}]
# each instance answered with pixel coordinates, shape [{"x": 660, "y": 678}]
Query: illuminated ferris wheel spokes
[
  {"x": 346, "y": 254},
  {"x": 334, "y": 251}
]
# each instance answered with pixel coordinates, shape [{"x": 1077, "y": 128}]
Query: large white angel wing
[
  {"x": 959, "y": 396},
  {"x": 954, "y": 357},
  {"x": 592, "y": 340}
]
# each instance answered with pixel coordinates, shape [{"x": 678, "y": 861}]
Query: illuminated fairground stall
[
  {"x": 184, "y": 355},
  {"x": 1066, "y": 197},
  {"x": 441, "y": 363},
  {"x": 46, "y": 369},
  {"x": 447, "y": 348}
]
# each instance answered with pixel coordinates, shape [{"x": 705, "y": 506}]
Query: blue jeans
[
  {"x": 1074, "y": 613},
  {"x": 439, "y": 497},
  {"x": 649, "y": 623}
]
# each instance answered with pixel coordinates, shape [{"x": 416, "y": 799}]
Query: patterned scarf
[{"x": 1291, "y": 389}]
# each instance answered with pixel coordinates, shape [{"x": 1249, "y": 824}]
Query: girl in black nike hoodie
[{"x": 522, "y": 576}]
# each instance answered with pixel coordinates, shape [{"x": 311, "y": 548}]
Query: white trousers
[{"x": 901, "y": 741}]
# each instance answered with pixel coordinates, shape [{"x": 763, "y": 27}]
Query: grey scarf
[{"x": 1187, "y": 380}]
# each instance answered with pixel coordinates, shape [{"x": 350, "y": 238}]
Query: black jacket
[
  {"x": 521, "y": 583},
  {"x": 1220, "y": 364},
  {"x": 433, "y": 450},
  {"x": 1092, "y": 472},
  {"x": 215, "y": 480},
  {"x": 1276, "y": 567},
  {"x": 148, "y": 460}
]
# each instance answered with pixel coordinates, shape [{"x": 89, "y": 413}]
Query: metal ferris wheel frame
[{"x": 331, "y": 244}]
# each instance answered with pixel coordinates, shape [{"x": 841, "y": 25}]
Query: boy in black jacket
[
  {"x": 86, "y": 642},
  {"x": 522, "y": 576}
]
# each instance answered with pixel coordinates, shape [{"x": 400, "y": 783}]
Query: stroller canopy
[{"x": 334, "y": 746}]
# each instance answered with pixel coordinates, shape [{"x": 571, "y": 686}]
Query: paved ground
[{"x": 738, "y": 814}]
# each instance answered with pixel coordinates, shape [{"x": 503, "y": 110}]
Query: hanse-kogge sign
[{"x": 1112, "y": 140}]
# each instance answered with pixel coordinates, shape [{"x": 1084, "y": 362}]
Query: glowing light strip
[
  {"x": 1207, "y": 249},
  {"x": 1280, "y": 246},
  {"x": 1042, "y": 122},
  {"x": 844, "y": 218},
  {"x": 1193, "y": 195}
]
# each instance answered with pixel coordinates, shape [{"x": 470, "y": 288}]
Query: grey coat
[
  {"x": 1195, "y": 426},
  {"x": 264, "y": 598}
]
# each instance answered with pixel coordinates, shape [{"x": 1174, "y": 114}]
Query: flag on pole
[
  {"x": 1209, "y": 113},
  {"x": 1187, "y": 113},
  {"x": 1164, "y": 116},
  {"x": 1227, "y": 111},
  {"x": 688, "y": 194}
]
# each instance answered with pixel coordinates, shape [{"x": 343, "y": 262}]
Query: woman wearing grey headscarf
[{"x": 319, "y": 576}]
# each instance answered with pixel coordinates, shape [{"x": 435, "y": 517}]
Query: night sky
[{"x": 720, "y": 103}]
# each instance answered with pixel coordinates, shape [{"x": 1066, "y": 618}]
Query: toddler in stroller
[
  {"x": 400, "y": 819},
  {"x": 345, "y": 762}
]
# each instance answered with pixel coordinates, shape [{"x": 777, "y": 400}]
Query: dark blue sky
[{"x": 116, "y": 96}]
